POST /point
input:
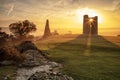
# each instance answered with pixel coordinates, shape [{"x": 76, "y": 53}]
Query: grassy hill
[
  {"x": 84, "y": 58},
  {"x": 113, "y": 39}
]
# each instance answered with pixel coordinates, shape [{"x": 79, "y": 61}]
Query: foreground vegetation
[
  {"x": 7, "y": 72},
  {"x": 99, "y": 61}
]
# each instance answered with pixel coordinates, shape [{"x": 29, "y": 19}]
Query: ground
[
  {"x": 85, "y": 59},
  {"x": 7, "y": 72}
]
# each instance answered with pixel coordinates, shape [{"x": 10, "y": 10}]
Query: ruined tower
[
  {"x": 90, "y": 25},
  {"x": 47, "y": 32}
]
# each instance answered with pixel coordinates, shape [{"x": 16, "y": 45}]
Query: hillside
[
  {"x": 113, "y": 39},
  {"x": 96, "y": 60}
]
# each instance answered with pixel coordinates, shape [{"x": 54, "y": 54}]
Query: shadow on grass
[
  {"x": 98, "y": 43},
  {"x": 101, "y": 63}
]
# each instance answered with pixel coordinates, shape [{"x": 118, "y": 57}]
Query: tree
[
  {"x": 0, "y": 29},
  {"x": 55, "y": 32},
  {"x": 22, "y": 29},
  {"x": 3, "y": 37}
]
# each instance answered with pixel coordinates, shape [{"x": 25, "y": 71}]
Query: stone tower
[
  {"x": 90, "y": 25},
  {"x": 47, "y": 32}
]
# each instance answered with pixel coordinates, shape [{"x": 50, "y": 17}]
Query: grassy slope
[
  {"x": 9, "y": 71},
  {"x": 113, "y": 39},
  {"x": 100, "y": 62}
]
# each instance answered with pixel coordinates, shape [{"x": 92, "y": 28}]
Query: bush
[
  {"x": 26, "y": 45},
  {"x": 10, "y": 53}
]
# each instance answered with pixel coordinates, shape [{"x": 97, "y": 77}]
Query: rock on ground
[
  {"x": 49, "y": 76},
  {"x": 36, "y": 66},
  {"x": 33, "y": 58}
]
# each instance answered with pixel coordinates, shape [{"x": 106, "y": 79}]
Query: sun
[
  {"x": 89, "y": 12},
  {"x": 91, "y": 20}
]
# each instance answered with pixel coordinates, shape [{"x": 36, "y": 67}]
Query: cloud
[
  {"x": 44, "y": 8},
  {"x": 117, "y": 8},
  {"x": 11, "y": 9}
]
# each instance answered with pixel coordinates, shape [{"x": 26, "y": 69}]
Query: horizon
[{"x": 63, "y": 15}]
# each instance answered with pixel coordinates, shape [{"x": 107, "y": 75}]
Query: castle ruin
[
  {"x": 90, "y": 25},
  {"x": 47, "y": 32}
]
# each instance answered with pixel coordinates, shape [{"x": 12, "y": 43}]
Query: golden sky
[{"x": 63, "y": 15}]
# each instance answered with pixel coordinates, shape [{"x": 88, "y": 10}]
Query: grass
[
  {"x": 115, "y": 40},
  {"x": 99, "y": 61},
  {"x": 7, "y": 71}
]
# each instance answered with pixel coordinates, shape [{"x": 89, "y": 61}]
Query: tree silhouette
[
  {"x": 3, "y": 37},
  {"x": 22, "y": 29},
  {"x": 55, "y": 32},
  {"x": 0, "y": 29}
]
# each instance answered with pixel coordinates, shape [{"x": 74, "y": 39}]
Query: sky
[{"x": 64, "y": 15}]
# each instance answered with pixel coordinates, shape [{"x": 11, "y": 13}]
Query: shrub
[
  {"x": 10, "y": 53},
  {"x": 26, "y": 45}
]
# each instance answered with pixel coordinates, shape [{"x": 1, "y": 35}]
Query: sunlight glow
[
  {"x": 89, "y": 12},
  {"x": 91, "y": 20}
]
